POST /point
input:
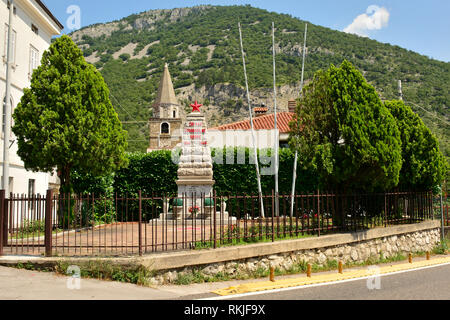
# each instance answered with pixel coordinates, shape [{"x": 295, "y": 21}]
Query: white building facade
[
  {"x": 265, "y": 139},
  {"x": 33, "y": 28},
  {"x": 239, "y": 134}
]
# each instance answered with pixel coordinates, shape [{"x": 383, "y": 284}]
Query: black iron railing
[{"x": 95, "y": 225}]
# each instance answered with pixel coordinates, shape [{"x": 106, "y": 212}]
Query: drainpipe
[{"x": 7, "y": 131}]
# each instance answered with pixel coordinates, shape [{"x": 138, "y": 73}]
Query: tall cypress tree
[
  {"x": 424, "y": 166},
  {"x": 345, "y": 131},
  {"x": 65, "y": 120}
]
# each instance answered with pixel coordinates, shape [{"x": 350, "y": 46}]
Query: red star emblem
[{"x": 196, "y": 107}]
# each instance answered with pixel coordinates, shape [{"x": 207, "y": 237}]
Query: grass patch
[
  {"x": 31, "y": 229},
  {"x": 29, "y": 235},
  {"x": 105, "y": 270},
  {"x": 225, "y": 242},
  {"x": 198, "y": 277},
  {"x": 443, "y": 247}
]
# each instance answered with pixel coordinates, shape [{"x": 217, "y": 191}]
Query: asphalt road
[{"x": 428, "y": 284}]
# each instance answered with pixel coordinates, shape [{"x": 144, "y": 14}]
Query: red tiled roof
[{"x": 262, "y": 123}]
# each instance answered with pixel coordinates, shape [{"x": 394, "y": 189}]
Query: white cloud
[{"x": 375, "y": 18}]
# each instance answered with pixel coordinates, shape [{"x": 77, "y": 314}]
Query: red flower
[{"x": 194, "y": 209}]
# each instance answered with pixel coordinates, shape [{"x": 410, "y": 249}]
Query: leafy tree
[
  {"x": 343, "y": 129},
  {"x": 89, "y": 184},
  {"x": 151, "y": 173},
  {"x": 424, "y": 166},
  {"x": 125, "y": 56},
  {"x": 66, "y": 120}
]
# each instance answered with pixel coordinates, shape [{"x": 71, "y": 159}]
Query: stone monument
[
  {"x": 195, "y": 177},
  {"x": 195, "y": 171}
]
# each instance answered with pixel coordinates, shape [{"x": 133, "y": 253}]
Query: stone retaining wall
[{"x": 358, "y": 251}]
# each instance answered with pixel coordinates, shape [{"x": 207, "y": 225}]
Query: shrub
[
  {"x": 102, "y": 211},
  {"x": 32, "y": 227},
  {"x": 125, "y": 57}
]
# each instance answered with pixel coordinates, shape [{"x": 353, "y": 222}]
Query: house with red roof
[{"x": 239, "y": 134}]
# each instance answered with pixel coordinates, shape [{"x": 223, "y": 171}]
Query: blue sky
[{"x": 417, "y": 25}]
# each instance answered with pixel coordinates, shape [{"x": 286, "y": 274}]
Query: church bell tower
[{"x": 166, "y": 123}]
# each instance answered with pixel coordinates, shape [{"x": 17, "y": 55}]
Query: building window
[
  {"x": 34, "y": 59},
  {"x": 11, "y": 184},
  {"x": 31, "y": 193},
  {"x": 31, "y": 187},
  {"x": 34, "y": 29},
  {"x": 5, "y": 51},
  {"x": 174, "y": 114},
  {"x": 165, "y": 128}
]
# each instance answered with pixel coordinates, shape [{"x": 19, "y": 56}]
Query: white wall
[
  {"x": 27, "y": 13},
  {"x": 240, "y": 138}
]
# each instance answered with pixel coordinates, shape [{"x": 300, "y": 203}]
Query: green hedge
[
  {"x": 156, "y": 174},
  {"x": 241, "y": 179},
  {"x": 152, "y": 173}
]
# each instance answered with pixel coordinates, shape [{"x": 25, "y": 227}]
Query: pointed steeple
[{"x": 166, "y": 94}]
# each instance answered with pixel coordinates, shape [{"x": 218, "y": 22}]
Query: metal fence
[
  {"x": 442, "y": 212},
  {"x": 92, "y": 225}
]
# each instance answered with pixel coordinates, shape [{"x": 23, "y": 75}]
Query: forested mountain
[{"x": 201, "y": 45}]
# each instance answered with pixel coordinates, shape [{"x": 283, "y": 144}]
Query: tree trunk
[
  {"x": 66, "y": 205},
  {"x": 341, "y": 207}
]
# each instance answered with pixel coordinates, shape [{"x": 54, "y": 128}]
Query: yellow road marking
[{"x": 325, "y": 278}]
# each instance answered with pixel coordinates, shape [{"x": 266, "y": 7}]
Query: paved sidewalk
[
  {"x": 32, "y": 285},
  {"x": 18, "y": 284}
]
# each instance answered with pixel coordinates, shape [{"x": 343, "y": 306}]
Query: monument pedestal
[{"x": 195, "y": 191}]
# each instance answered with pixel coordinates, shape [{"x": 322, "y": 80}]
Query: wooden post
[
  {"x": 272, "y": 274},
  {"x": 341, "y": 267},
  {"x": 2, "y": 221},
  {"x": 309, "y": 270},
  {"x": 48, "y": 223}
]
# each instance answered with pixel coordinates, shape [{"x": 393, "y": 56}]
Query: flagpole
[
  {"x": 252, "y": 126},
  {"x": 277, "y": 140},
  {"x": 296, "y": 151}
]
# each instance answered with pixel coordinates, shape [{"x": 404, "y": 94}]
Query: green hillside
[{"x": 201, "y": 45}]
